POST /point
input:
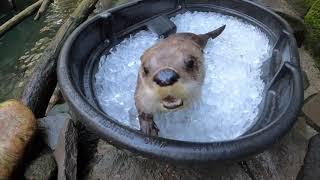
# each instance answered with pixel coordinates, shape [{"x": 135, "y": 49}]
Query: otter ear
[{"x": 202, "y": 39}]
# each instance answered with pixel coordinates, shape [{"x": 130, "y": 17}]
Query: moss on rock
[
  {"x": 312, "y": 20},
  {"x": 309, "y": 2}
]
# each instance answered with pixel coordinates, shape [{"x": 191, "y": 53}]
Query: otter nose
[{"x": 166, "y": 77}]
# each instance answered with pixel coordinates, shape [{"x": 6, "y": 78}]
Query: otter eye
[
  {"x": 190, "y": 62},
  {"x": 146, "y": 71}
]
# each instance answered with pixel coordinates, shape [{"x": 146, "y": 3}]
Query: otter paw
[{"x": 149, "y": 128}]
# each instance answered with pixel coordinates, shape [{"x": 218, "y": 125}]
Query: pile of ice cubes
[{"x": 231, "y": 92}]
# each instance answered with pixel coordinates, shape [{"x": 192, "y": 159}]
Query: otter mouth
[{"x": 171, "y": 102}]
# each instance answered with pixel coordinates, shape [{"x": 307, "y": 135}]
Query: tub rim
[{"x": 174, "y": 150}]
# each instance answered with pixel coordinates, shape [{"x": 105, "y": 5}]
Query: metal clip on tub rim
[{"x": 162, "y": 26}]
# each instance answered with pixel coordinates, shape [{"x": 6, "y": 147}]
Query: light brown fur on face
[
  {"x": 170, "y": 76},
  {"x": 172, "y": 53}
]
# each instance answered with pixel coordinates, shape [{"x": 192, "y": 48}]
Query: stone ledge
[
  {"x": 311, "y": 110},
  {"x": 311, "y": 167}
]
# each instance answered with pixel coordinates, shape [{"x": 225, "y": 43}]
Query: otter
[{"x": 170, "y": 76}]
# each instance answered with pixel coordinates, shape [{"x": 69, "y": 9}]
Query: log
[
  {"x": 44, "y": 6},
  {"x": 39, "y": 89},
  {"x": 19, "y": 17}
]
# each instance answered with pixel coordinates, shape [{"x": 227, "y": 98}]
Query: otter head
[{"x": 172, "y": 72}]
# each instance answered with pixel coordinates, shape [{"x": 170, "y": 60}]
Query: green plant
[{"x": 312, "y": 20}]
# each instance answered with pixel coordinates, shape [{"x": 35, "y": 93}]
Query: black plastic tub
[{"x": 278, "y": 111}]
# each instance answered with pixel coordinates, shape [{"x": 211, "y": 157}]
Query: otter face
[{"x": 172, "y": 72}]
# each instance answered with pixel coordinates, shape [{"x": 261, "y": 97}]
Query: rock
[
  {"x": 29, "y": 59},
  {"x": 56, "y": 98},
  {"x": 269, "y": 3},
  {"x": 17, "y": 126},
  {"x": 45, "y": 29},
  {"x": 312, "y": 20},
  {"x": 281, "y": 5},
  {"x": 106, "y": 4},
  {"x": 112, "y": 163},
  {"x": 297, "y": 24},
  {"x": 119, "y": 2},
  {"x": 51, "y": 125},
  {"x": 23, "y": 57},
  {"x": 284, "y": 159},
  {"x": 44, "y": 40},
  {"x": 304, "y": 129},
  {"x": 317, "y": 50},
  {"x": 59, "y": 109},
  {"x": 311, "y": 167},
  {"x": 308, "y": 65},
  {"x": 103, "y": 5},
  {"x": 87, "y": 146},
  {"x": 301, "y": 6},
  {"x": 44, "y": 167},
  {"x": 311, "y": 109},
  {"x": 66, "y": 152},
  {"x": 305, "y": 80}
]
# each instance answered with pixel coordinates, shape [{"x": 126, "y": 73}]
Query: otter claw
[
  {"x": 147, "y": 124},
  {"x": 149, "y": 128}
]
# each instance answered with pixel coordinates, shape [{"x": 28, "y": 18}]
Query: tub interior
[{"x": 110, "y": 28}]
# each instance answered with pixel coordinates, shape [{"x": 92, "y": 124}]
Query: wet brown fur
[{"x": 173, "y": 53}]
